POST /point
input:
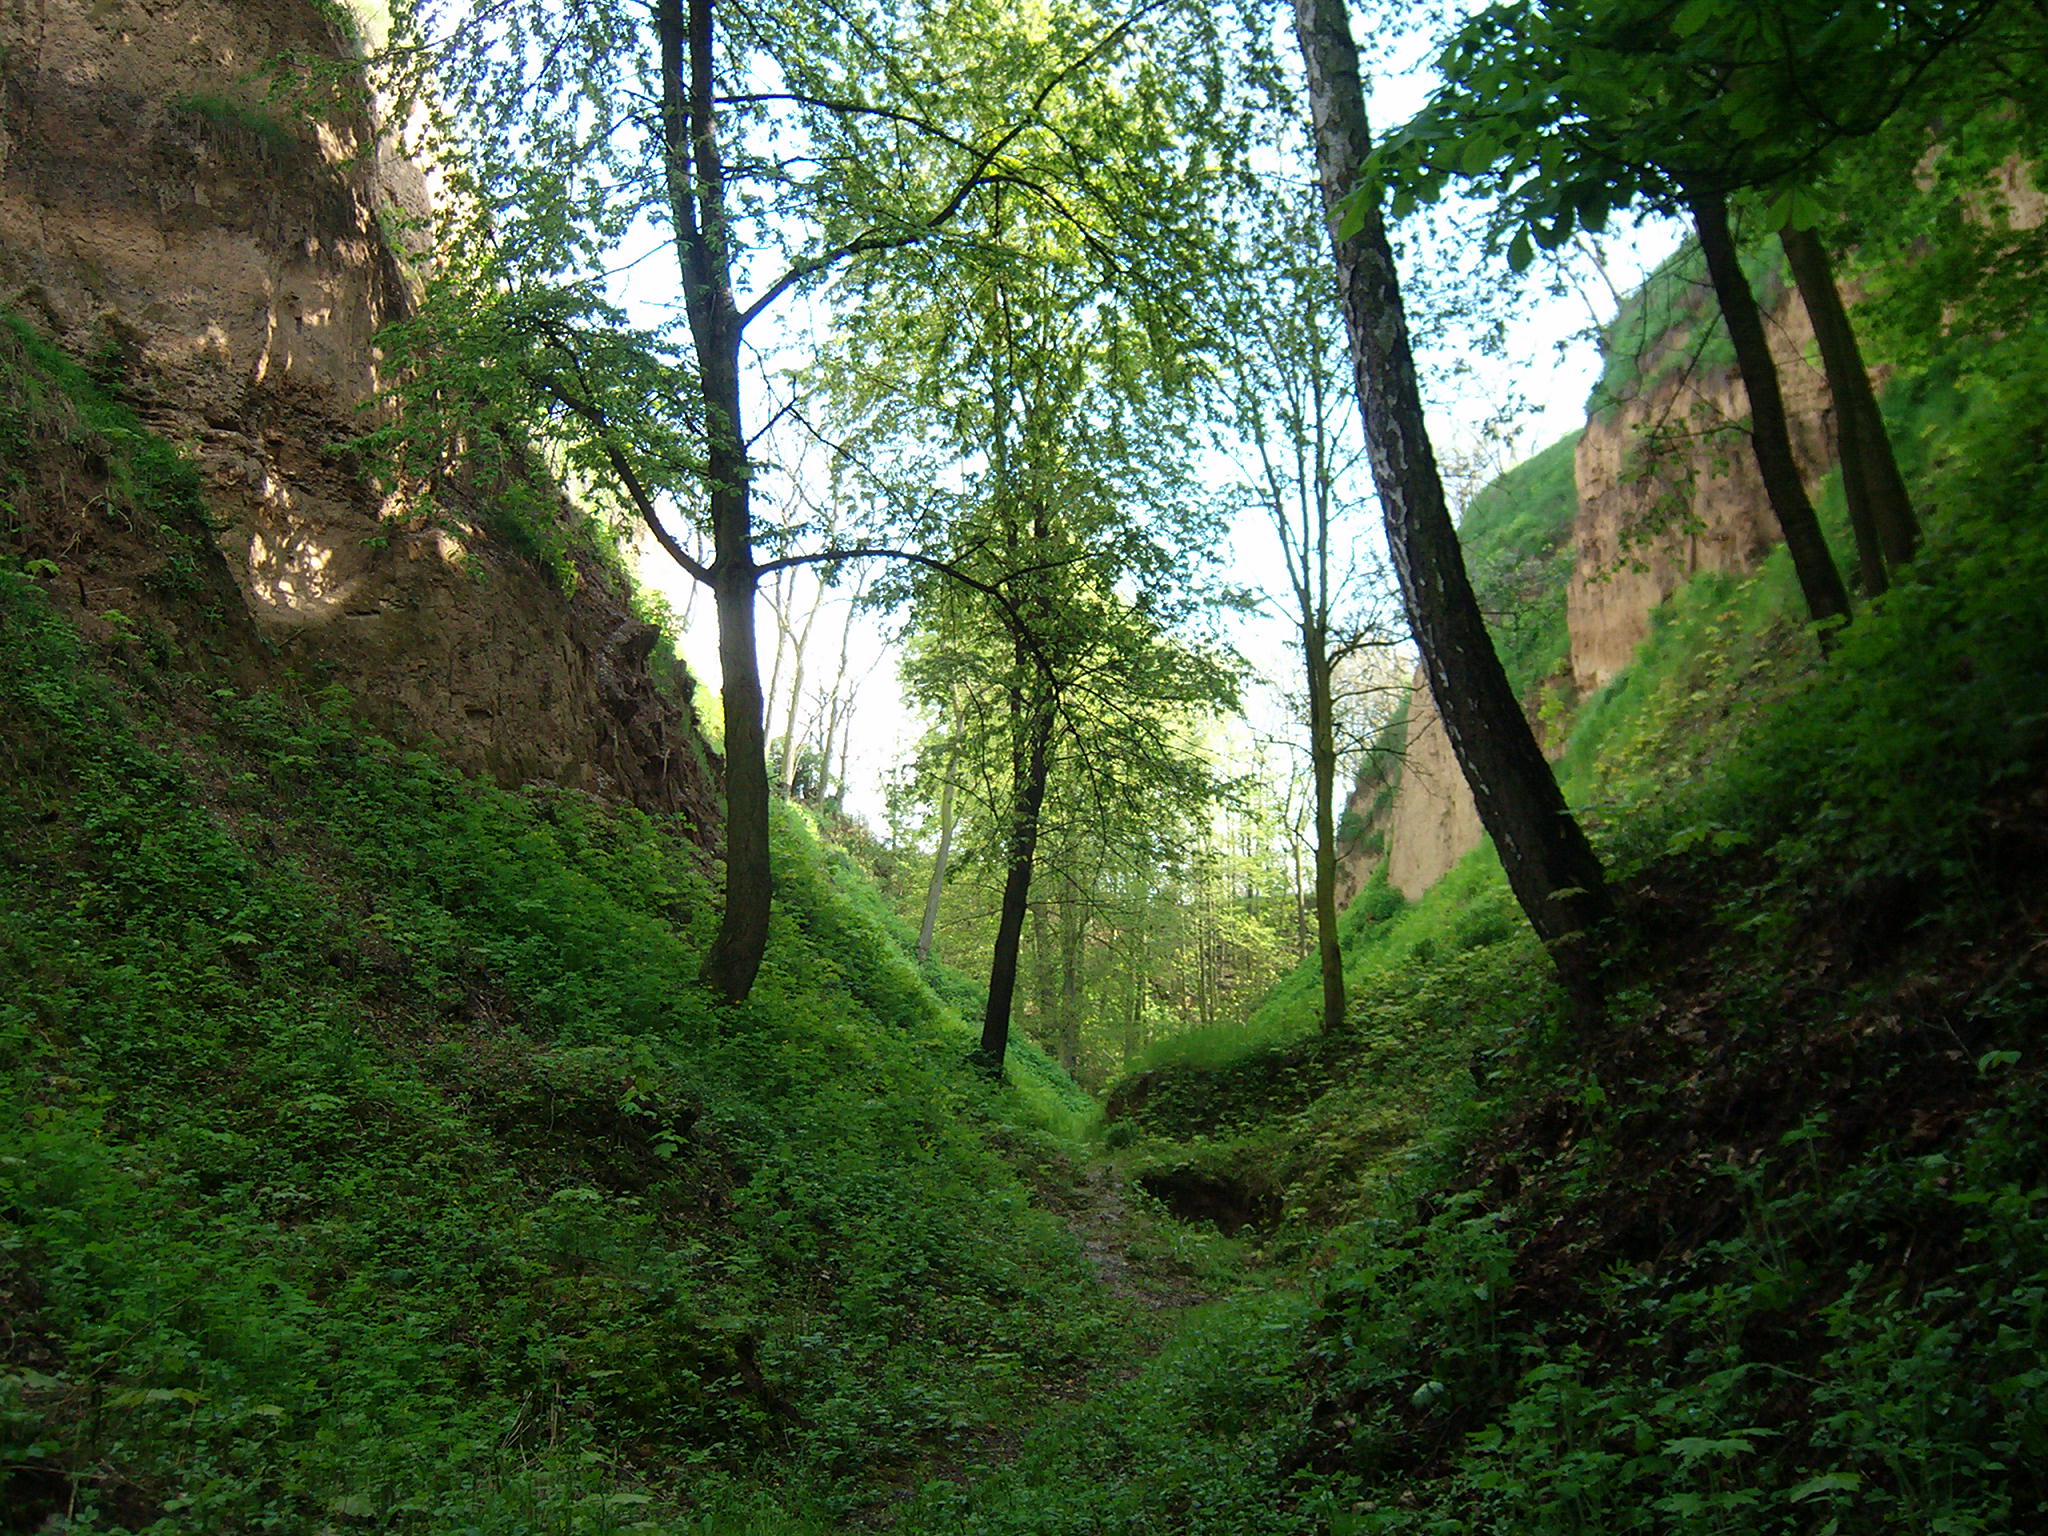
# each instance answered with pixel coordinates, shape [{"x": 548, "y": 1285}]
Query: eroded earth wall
[
  {"x": 227, "y": 252},
  {"x": 1667, "y": 488}
]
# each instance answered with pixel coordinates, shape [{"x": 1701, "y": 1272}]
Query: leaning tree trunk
[
  {"x": 1880, "y": 509},
  {"x": 1550, "y": 866},
  {"x": 1770, "y": 440}
]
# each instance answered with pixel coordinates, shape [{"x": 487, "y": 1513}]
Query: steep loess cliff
[
  {"x": 222, "y": 256},
  {"x": 1432, "y": 822},
  {"x": 1667, "y": 485},
  {"x": 1662, "y": 487}
]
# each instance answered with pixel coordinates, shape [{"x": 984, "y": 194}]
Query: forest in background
[{"x": 392, "y": 1149}]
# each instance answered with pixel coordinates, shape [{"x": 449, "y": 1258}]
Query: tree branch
[
  {"x": 593, "y": 416},
  {"x": 874, "y": 241},
  {"x": 924, "y": 126},
  {"x": 1020, "y": 627}
]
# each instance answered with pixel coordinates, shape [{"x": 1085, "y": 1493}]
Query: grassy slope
[
  {"x": 372, "y": 1162},
  {"x": 1770, "y": 1254},
  {"x": 1670, "y": 327},
  {"x": 368, "y": 1156},
  {"x": 1517, "y": 536}
]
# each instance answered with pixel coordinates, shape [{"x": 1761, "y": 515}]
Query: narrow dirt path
[
  {"x": 1103, "y": 1223},
  {"x": 1127, "y": 1247}
]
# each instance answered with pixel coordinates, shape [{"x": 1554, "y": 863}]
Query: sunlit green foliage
[
  {"x": 1567, "y": 113},
  {"x": 377, "y": 1159}
]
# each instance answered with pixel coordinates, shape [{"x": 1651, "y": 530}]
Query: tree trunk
[
  {"x": 736, "y": 953},
  {"x": 1029, "y": 781},
  {"x": 1141, "y": 960},
  {"x": 1073, "y": 929},
  {"x": 838, "y": 706},
  {"x": 1045, "y": 973},
  {"x": 1301, "y": 898},
  {"x": 782, "y": 637},
  {"x": 845, "y": 753},
  {"x": 1827, "y": 600},
  {"x": 1322, "y": 755},
  {"x": 1550, "y": 866},
  {"x": 696, "y": 190},
  {"x": 1205, "y": 950},
  {"x": 1880, "y": 510},
  {"x": 931, "y": 895},
  {"x": 790, "y": 743},
  {"x": 789, "y": 736}
]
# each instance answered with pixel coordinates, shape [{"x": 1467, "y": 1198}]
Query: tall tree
[
  {"x": 1282, "y": 376},
  {"x": 1550, "y": 866},
  {"x": 1071, "y": 708},
  {"x": 836, "y": 701},
  {"x": 1770, "y": 431},
  {"x": 770, "y": 151},
  {"x": 1049, "y": 395},
  {"x": 792, "y": 642},
  {"x": 927, "y": 930},
  {"x": 1569, "y": 110}
]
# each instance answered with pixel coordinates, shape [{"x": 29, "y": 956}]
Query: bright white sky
[{"x": 1549, "y": 365}]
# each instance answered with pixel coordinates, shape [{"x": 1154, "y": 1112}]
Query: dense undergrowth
[
  {"x": 372, "y": 1155},
  {"x": 1768, "y": 1251},
  {"x": 369, "y": 1157}
]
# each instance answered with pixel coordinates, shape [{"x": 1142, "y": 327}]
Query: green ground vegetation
[
  {"x": 369, "y": 1158},
  {"x": 375, "y": 1159},
  {"x": 1766, "y": 1253},
  {"x": 1517, "y": 535},
  {"x": 64, "y": 435},
  {"x": 1763, "y": 1255}
]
